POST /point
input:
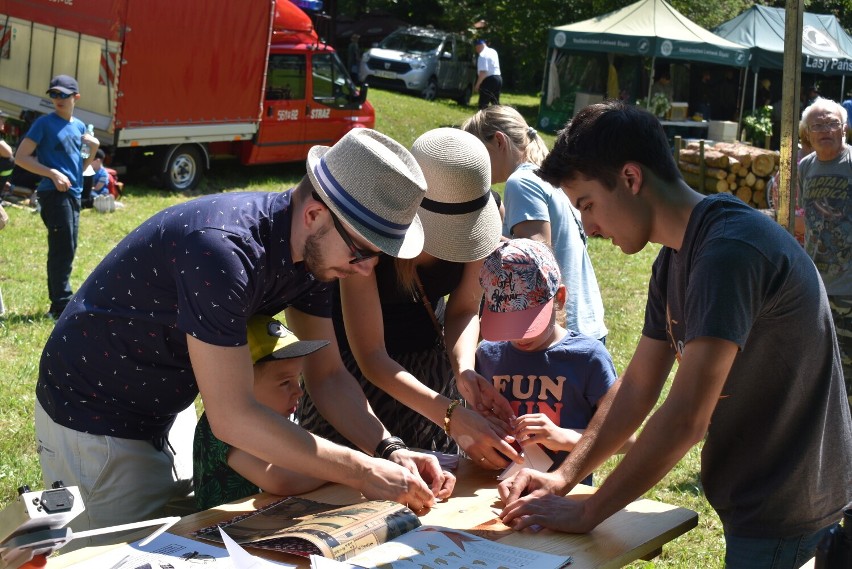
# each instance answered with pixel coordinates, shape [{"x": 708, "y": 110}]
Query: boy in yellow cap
[{"x": 223, "y": 473}]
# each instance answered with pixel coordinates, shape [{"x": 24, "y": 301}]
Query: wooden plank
[{"x": 637, "y": 531}]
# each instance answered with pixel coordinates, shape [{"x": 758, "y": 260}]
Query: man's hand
[
  {"x": 427, "y": 468},
  {"x": 386, "y": 480},
  {"x": 482, "y": 396},
  {"x": 530, "y": 482},
  {"x": 562, "y": 513}
]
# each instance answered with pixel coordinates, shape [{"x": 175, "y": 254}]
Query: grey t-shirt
[
  {"x": 778, "y": 453},
  {"x": 827, "y": 201}
]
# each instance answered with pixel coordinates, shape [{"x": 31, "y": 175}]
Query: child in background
[
  {"x": 102, "y": 199},
  {"x": 552, "y": 377},
  {"x": 223, "y": 473},
  {"x": 100, "y": 180}
]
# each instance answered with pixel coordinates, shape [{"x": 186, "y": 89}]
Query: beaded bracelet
[
  {"x": 453, "y": 404},
  {"x": 388, "y": 446}
]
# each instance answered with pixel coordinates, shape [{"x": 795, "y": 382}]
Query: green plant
[
  {"x": 659, "y": 105},
  {"x": 758, "y": 125}
]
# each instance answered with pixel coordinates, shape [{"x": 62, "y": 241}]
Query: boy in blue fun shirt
[{"x": 552, "y": 377}]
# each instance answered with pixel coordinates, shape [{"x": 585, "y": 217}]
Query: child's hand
[
  {"x": 60, "y": 180},
  {"x": 537, "y": 427},
  {"x": 93, "y": 142}
]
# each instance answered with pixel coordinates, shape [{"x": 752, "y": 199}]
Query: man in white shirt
[{"x": 488, "y": 81}]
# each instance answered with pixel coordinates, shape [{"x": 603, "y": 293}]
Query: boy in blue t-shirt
[
  {"x": 223, "y": 473},
  {"x": 51, "y": 148},
  {"x": 553, "y": 378}
]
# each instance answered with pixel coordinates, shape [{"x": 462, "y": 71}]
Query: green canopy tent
[
  {"x": 826, "y": 47},
  {"x": 648, "y": 28}
]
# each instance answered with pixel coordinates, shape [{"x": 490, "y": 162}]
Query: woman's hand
[
  {"x": 482, "y": 396},
  {"x": 488, "y": 442}
]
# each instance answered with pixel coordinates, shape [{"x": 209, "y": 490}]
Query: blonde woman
[
  {"x": 412, "y": 351},
  {"x": 537, "y": 210}
]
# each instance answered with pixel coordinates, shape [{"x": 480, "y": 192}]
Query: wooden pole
[{"x": 794, "y": 18}]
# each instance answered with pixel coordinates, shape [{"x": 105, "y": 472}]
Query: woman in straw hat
[
  {"x": 537, "y": 210},
  {"x": 398, "y": 336}
]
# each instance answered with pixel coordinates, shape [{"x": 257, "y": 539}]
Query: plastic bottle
[{"x": 84, "y": 149}]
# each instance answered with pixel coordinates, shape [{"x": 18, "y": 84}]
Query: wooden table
[{"x": 638, "y": 531}]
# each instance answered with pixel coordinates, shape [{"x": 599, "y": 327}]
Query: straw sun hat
[
  {"x": 374, "y": 185},
  {"x": 460, "y": 218}
]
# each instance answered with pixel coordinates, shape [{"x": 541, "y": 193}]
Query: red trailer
[{"x": 173, "y": 83}]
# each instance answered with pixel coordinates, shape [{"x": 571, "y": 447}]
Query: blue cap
[
  {"x": 64, "y": 84},
  {"x": 479, "y": 42}
]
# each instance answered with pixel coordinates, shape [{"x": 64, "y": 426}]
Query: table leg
[{"x": 652, "y": 554}]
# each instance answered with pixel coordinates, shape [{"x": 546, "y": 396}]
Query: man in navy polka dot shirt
[{"x": 163, "y": 317}]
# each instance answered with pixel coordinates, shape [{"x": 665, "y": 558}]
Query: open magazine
[
  {"x": 372, "y": 534},
  {"x": 305, "y": 527}
]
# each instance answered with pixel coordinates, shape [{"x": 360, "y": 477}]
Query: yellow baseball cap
[{"x": 269, "y": 339}]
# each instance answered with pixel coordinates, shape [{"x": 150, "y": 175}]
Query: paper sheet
[
  {"x": 242, "y": 559},
  {"x": 534, "y": 458},
  {"x": 318, "y": 562},
  {"x": 169, "y": 550}
]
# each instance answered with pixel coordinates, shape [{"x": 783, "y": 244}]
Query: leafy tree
[
  {"x": 416, "y": 12},
  {"x": 518, "y": 30}
]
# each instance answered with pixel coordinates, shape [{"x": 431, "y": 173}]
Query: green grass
[{"x": 24, "y": 328}]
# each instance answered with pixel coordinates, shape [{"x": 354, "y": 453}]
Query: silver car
[{"x": 425, "y": 61}]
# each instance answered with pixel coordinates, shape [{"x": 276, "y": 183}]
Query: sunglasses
[
  {"x": 58, "y": 95},
  {"x": 358, "y": 255}
]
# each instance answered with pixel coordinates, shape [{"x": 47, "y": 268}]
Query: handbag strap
[{"x": 426, "y": 304}]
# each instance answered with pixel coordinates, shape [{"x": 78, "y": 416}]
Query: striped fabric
[{"x": 430, "y": 366}]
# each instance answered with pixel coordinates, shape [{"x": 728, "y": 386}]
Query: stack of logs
[{"x": 729, "y": 167}]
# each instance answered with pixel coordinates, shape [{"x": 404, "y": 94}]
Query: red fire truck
[{"x": 173, "y": 84}]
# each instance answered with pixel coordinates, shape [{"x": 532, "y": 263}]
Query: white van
[{"x": 425, "y": 61}]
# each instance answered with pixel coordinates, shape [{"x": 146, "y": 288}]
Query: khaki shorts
[{"x": 120, "y": 480}]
